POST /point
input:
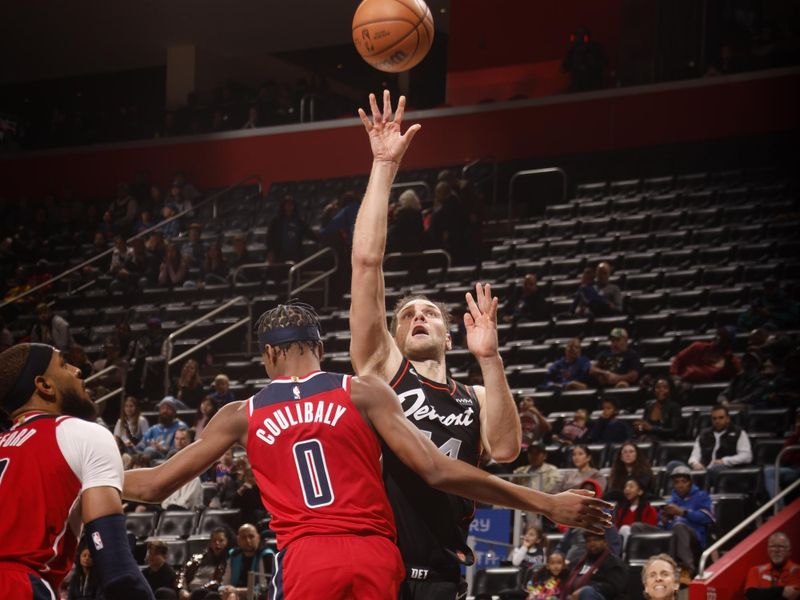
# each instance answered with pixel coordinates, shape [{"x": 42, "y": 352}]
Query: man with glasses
[{"x": 779, "y": 578}]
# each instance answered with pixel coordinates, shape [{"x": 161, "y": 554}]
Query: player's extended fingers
[
  {"x": 373, "y": 105},
  {"x": 364, "y": 119},
  {"x": 493, "y": 310},
  {"x": 473, "y": 308},
  {"x": 387, "y": 106},
  {"x": 469, "y": 322},
  {"x": 401, "y": 109},
  {"x": 412, "y": 131}
]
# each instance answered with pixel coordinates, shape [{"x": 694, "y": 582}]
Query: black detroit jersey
[{"x": 432, "y": 526}]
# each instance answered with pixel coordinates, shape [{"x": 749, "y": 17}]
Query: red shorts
[
  {"x": 338, "y": 567},
  {"x": 21, "y": 585}
]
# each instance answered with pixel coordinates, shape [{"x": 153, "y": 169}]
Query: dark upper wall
[{"x": 705, "y": 109}]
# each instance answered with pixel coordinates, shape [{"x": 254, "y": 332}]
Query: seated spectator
[
  {"x": 205, "y": 412},
  {"x": 619, "y": 367},
  {"x": 600, "y": 575},
  {"x": 571, "y": 371},
  {"x": 608, "y": 429},
  {"x": 194, "y": 249},
  {"x": 531, "y": 553},
  {"x": 633, "y": 508},
  {"x": 137, "y": 271},
  {"x": 158, "y": 573},
  {"x": 721, "y": 446},
  {"x": 76, "y": 356},
  {"x": 241, "y": 491},
  {"x": 83, "y": 583},
  {"x": 171, "y": 228},
  {"x": 773, "y": 310},
  {"x": 789, "y": 470},
  {"x": 145, "y": 221},
  {"x": 123, "y": 209},
  {"x": 241, "y": 255},
  {"x": 222, "y": 393},
  {"x": 575, "y": 429},
  {"x": 183, "y": 437},
  {"x": 155, "y": 250},
  {"x": 113, "y": 358},
  {"x": 688, "y": 515},
  {"x": 573, "y": 544},
  {"x": 527, "y": 302},
  {"x": 214, "y": 268},
  {"x": 406, "y": 232},
  {"x": 51, "y": 329},
  {"x": 247, "y": 557},
  {"x": 660, "y": 578},
  {"x": 545, "y": 583},
  {"x": 121, "y": 253},
  {"x": 779, "y": 578},
  {"x": 748, "y": 386},
  {"x": 131, "y": 426},
  {"x": 629, "y": 463},
  {"x": 784, "y": 388},
  {"x": 588, "y": 301},
  {"x": 706, "y": 362},
  {"x": 609, "y": 291},
  {"x": 189, "y": 388},
  {"x": 174, "y": 268},
  {"x": 661, "y": 420},
  {"x": 286, "y": 233},
  {"x": 582, "y": 461},
  {"x": 224, "y": 470},
  {"x": 160, "y": 438},
  {"x": 204, "y": 571},
  {"x": 535, "y": 426},
  {"x": 544, "y": 477}
]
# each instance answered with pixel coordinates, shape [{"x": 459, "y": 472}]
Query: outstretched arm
[
  {"x": 227, "y": 427},
  {"x": 501, "y": 431},
  {"x": 382, "y": 408},
  {"x": 372, "y": 348}
]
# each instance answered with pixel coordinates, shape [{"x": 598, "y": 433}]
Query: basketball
[{"x": 393, "y": 35}]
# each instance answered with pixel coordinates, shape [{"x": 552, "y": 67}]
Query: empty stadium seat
[
  {"x": 488, "y": 582},
  {"x": 729, "y": 511},
  {"x": 668, "y": 451},
  {"x": 769, "y": 420},
  {"x": 140, "y": 524},
  {"x": 739, "y": 480},
  {"x": 177, "y": 552},
  {"x": 175, "y": 524},
  {"x": 212, "y": 518}
]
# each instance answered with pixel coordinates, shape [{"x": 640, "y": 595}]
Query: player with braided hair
[{"x": 311, "y": 440}]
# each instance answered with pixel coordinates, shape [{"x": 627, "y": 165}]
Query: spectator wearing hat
[
  {"x": 688, "y": 514},
  {"x": 720, "y": 446},
  {"x": 542, "y": 476},
  {"x": 778, "y": 579},
  {"x": 599, "y": 575},
  {"x": 571, "y": 371},
  {"x": 707, "y": 362},
  {"x": 749, "y": 385},
  {"x": 160, "y": 438},
  {"x": 773, "y": 310},
  {"x": 618, "y": 367},
  {"x": 158, "y": 573}
]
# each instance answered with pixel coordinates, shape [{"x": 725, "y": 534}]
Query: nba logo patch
[
  {"x": 97, "y": 540},
  {"x": 296, "y": 392}
]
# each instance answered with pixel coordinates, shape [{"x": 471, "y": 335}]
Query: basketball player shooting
[
  {"x": 462, "y": 421},
  {"x": 311, "y": 440},
  {"x": 58, "y": 469}
]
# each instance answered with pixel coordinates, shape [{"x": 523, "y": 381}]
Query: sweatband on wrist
[
  {"x": 287, "y": 335},
  {"x": 38, "y": 361},
  {"x": 116, "y": 569}
]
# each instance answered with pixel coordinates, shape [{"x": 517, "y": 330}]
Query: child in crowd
[{"x": 531, "y": 553}]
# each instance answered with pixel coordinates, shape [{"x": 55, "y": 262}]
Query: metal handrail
[
  {"x": 777, "y": 484},
  {"x": 470, "y": 571},
  {"x": 413, "y": 184},
  {"x": 312, "y": 100},
  {"x": 437, "y": 252},
  {"x": 255, "y": 265},
  {"x": 94, "y": 259},
  {"x": 531, "y": 172},
  {"x": 701, "y": 574},
  {"x": 120, "y": 390},
  {"x": 324, "y": 275},
  {"x": 213, "y": 338},
  {"x": 465, "y": 170},
  {"x": 168, "y": 343}
]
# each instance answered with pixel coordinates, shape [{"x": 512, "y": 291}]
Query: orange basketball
[{"x": 393, "y": 35}]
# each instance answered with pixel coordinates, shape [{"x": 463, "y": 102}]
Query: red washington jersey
[
  {"x": 46, "y": 462},
  {"x": 316, "y": 460}
]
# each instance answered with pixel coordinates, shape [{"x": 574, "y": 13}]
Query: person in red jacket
[
  {"x": 634, "y": 508},
  {"x": 706, "y": 362},
  {"x": 779, "y": 578}
]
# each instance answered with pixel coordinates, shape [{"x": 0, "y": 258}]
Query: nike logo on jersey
[
  {"x": 419, "y": 411},
  {"x": 297, "y": 414}
]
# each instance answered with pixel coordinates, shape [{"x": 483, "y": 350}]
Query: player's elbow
[{"x": 506, "y": 451}]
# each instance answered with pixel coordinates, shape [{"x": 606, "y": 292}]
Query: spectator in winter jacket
[
  {"x": 706, "y": 362},
  {"x": 721, "y": 446}
]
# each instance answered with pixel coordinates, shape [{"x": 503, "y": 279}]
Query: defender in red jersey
[
  {"x": 310, "y": 440},
  {"x": 57, "y": 471}
]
